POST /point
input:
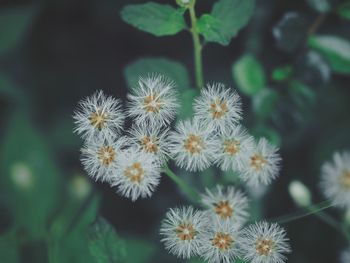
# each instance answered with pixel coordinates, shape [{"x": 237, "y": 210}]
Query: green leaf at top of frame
[
  {"x": 156, "y": 19},
  {"x": 13, "y": 25},
  {"x": 249, "y": 75},
  {"x": 335, "y": 50},
  {"x": 343, "y": 10},
  {"x": 104, "y": 243},
  {"x": 225, "y": 20},
  {"x": 173, "y": 70}
]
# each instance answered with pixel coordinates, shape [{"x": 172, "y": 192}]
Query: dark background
[{"x": 72, "y": 48}]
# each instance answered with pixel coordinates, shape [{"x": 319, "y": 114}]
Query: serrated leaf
[
  {"x": 209, "y": 27},
  {"x": 154, "y": 18},
  {"x": 264, "y": 103},
  {"x": 343, "y": 10},
  {"x": 249, "y": 75},
  {"x": 13, "y": 25},
  {"x": 335, "y": 50},
  {"x": 174, "y": 70},
  {"x": 31, "y": 181},
  {"x": 232, "y": 16},
  {"x": 290, "y": 31},
  {"x": 104, "y": 244}
]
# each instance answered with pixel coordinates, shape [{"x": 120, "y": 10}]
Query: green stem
[
  {"x": 192, "y": 194},
  {"x": 198, "y": 66}
]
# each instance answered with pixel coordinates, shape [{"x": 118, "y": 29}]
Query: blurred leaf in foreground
[
  {"x": 343, "y": 10},
  {"x": 8, "y": 248}
]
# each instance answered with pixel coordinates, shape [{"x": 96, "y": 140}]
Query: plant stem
[
  {"x": 192, "y": 194},
  {"x": 198, "y": 66}
]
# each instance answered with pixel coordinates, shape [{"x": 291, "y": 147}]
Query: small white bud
[
  {"x": 300, "y": 193},
  {"x": 22, "y": 176}
]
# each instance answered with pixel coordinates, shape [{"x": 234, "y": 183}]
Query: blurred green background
[{"x": 53, "y": 53}]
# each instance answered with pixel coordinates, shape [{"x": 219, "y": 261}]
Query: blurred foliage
[{"x": 290, "y": 60}]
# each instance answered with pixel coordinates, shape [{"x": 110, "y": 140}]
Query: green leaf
[
  {"x": 9, "y": 90},
  {"x": 282, "y": 73},
  {"x": 343, "y": 10},
  {"x": 187, "y": 98},
  {"x": 13, "y": 25},
  {"x": 145, "y": 250},
  {"x": 302, "y": 95},
  {"x": 227, "y": 18},
  {"x": 249, "y": 75},
  {"x": 264, "y": 103},
  {"x": 321, "y": 6},
  {"x": 154, "y": 18},
  {"x": 30, "y": 181},
  {"x": 9, "y": 251},
  {"x": 269, "y": 133},
  {"x": 336, "y": 51},
  {"x": 104, "y": 244},
  {"x": 172, "y": 69}
]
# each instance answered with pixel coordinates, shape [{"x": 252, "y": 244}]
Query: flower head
[
  {"x": 153, "y": 101},
  {"x": 227, "y": 203},
  {"x": 264, "y": 243},
  {"x": 263, "y": 164},
  {"x": 220, "y": 242},
  {"x": 234, "y": 146},
  {"x": 180, "y": 230},
  {"x": 150, "y": 139},
  {"x": 100, "y": 157},
  {"x": 335, "y": 179},
  {"x": 137, "y": 175},
  {"x": 98, "y": 115},
  {"x": 192, "y": 145},
  {"x": 218, "y": 106}
]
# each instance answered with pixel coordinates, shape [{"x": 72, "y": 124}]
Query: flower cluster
[
  {"x": 217, "y": 233},
  {"x": 132, "y": 160}
]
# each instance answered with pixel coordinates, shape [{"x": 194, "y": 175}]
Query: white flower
[
  {"x": 99, "y": 157},
  {"x": 234, "y": 146},
  {"x": 227, "y": 203},
  {"x": 137, "y": 175},
  {"x": 98, "y": 115},
  {"x": 300, "y": 193},
  {"x": 153, "y": 101},
  {"x": 220, "y": 242},
  {"x": 345, "y": 256},
  {"x": 151, "y": 139},
  {"x": 192, "y": 145},
  {"x": 264, "y": 243},
  {"x": 263, "y": 164},
  {"x": 180, "y": 230},
  {"x": 335, "y": 179},
  {"x": 218, "y": 106}
]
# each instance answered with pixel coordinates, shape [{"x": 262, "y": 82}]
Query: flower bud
[
  {"x": 22, "y": 176},
  {"x": 184, "y": 3},
  {"x": 300, "y": 193}
]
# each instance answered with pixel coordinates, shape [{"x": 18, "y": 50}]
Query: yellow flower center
[
  {"x": 185, "y": 231},
  {"x": 152, "y": 103},
  {"x": 194, "y": 144},
  {"x": 231, "y": 147},
  {"x": 345, "y": 179},
  {"x": 106, "y": 154},
  {"x": 135, "y": 172},
  {"x": 98, "y": 119},
  {"x": 218, "y": 109},
  {"x": 222, "y": 241},
  {"x": 264, "y": 247},
  {"x": 149, "y": 144},
  {"x": 257, "y": 161},
  {"x": 223, "y": 209}
]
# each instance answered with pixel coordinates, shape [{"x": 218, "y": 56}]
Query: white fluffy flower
[
  {"x": 137, "y": 175},
  {"x": 100, "y": 157},
  {"x": 98, "y": 115},
  {"x": 151, "y": 139},
  {"x": 234, "y": 146},
  {"x": 264, "y": 243},
  {"x": 153, "y": 101},
  {"x": 345, "y": 256},
  {"x": 192, "y": 145},
  {"x": 180, "y": 230},
  {"x": 218, "y": 106},
  {"x": 263, "y": 164},
  {"x": 220, "y": 243},
  {"x": 335, "y": 179},
  {"x": 226, "y": 203}
]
